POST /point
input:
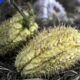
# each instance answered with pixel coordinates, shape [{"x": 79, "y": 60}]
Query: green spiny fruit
[
  {"x": 13, "y": 31},
  {"x": 49, "y": 52}
]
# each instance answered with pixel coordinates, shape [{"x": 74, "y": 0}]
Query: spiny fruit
[
  {"x": 13, "y": 31},
  {"x": 49, "y": 52}
]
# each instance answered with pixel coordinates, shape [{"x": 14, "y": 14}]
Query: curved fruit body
[
  {"x": 52, "y": 50},
  {"x": 12, "y": 32}
]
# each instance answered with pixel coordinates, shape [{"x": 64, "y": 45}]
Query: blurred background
[{"x": 71, "y": 7}]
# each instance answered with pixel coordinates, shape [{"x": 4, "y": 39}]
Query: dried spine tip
[{"x": 50, "y": 51}]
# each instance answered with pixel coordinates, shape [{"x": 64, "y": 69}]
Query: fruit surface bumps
[
  {"x": 13, "y": 31},
  {"x": 51, "y": 51}
]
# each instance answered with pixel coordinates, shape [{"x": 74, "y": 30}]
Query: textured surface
[
  {"x": 13, "y": 31},
  {"x": 52, "y": 50}
]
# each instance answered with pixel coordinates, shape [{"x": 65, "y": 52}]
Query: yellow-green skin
[
  {"x": 12, "y": 32},
  {"x": 52, "y": 50}
]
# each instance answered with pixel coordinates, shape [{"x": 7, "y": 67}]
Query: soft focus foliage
[{"x": 49, "y": 10}]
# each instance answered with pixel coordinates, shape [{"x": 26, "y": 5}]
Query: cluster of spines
[
  {"x": 13, "y": 31},
  {"x": 50, "y": 51}
]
